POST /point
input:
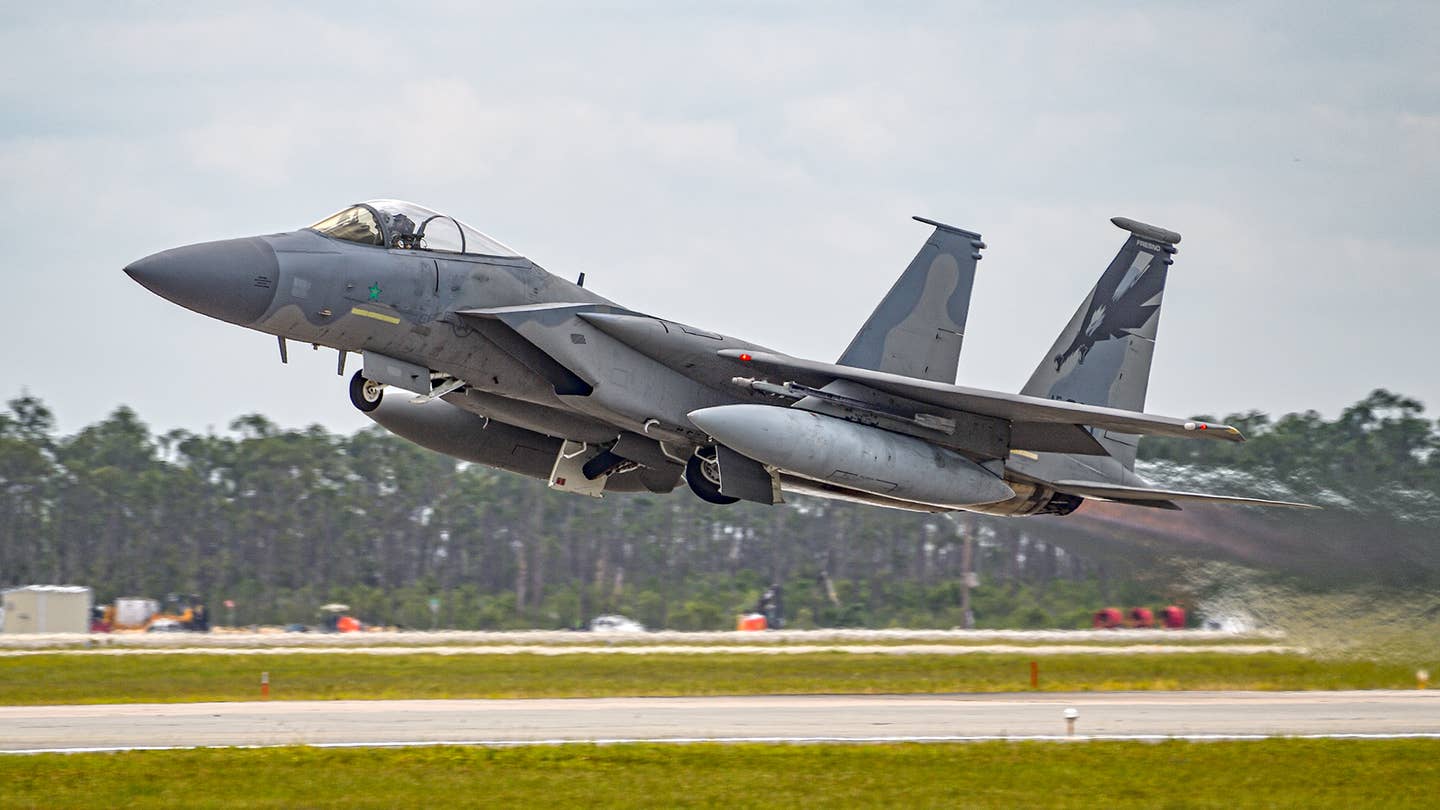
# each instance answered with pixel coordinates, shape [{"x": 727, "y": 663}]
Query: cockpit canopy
[{"x": 407, "y": 226}]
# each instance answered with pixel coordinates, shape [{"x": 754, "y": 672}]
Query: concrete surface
[{"x": 1122, "y": 715}]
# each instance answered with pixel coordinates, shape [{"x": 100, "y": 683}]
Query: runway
[
  {"x": 864, "y": 718},
  {"x": 713, "y": 649},
  {"x": 233, "y": 639}
]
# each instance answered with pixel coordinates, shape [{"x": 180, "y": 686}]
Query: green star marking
[{"x": 375, "y": 291}]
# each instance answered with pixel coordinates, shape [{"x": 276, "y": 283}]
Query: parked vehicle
[{"x": 615, "y": 624}]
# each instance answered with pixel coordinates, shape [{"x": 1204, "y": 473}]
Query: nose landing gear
[{"x": 365, "y": 394}]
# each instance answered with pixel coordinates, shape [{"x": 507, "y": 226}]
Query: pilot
[{"x": 404, "y": 230}]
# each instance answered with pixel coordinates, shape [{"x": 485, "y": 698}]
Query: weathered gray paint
[
  {"x": 745, "y": 478},
  {"x": 238, "y": 287},
  {"x": 543, "y": 360},
  {"x": 917, "y": 329},
  {"x": 1103, "y": 355},
  {"x": 840, "y": 452}
]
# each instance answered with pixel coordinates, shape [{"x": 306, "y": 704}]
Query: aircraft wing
[
  {"x": 1027, "y": 414},
  {"x": 1143, "y": 496},
  {"x": 501, "y": 326}
]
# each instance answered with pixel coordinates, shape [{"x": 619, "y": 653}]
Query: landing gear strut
[
  {"x": 365, "y": 394},
  {"x": 702, "y": 473}
]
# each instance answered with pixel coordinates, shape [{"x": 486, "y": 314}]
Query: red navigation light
[
  {"x": 1203, "y": 426},
  {"x": 744, "y": 358}
]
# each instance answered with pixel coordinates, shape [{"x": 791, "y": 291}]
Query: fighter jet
[{"x": 473, "y": 350}]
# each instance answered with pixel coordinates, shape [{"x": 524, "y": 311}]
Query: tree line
[{"x": 281, "y": 521}]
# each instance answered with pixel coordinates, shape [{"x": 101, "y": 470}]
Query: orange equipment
[{"x": 751, "y": 621}]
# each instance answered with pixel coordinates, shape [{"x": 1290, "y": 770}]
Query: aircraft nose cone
[{"x": 233, "y": 280}]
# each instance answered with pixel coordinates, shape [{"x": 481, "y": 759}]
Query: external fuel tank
[
  {"x": 847, "y": 454},
  {"x": 444, "y": 428},
  {"x": 454, "y": 431}
]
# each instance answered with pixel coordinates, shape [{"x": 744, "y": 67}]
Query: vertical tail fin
[
  {"x": 918, "y": 327},
  {"x": 1102, "y": 357}
]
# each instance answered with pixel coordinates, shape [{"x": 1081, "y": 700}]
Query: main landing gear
[
  {"x": 702, "y": 473},
  {"x": 365, "y": 394}
]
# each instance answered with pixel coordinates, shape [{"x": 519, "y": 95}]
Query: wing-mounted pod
[
  {"x": 983, "y": 438},
  {"x": 852, "y": 456}
]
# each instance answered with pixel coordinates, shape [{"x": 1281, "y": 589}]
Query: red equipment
[
  {"x": 1173, "y": 617},
  {"x": 1108, "y": 619},
  {"x": 1141, "y": 617}
]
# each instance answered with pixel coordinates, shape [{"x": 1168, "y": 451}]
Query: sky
[{"x": 750, "y": 168}]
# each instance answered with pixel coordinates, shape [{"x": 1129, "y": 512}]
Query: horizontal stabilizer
[{"x": 1135, "y": 495}]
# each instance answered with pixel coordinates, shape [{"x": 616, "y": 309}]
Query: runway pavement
[
  {"x": 712, "y": 649},
  {"x": 229, "y": 638},
  {"x": 1123, "y": 715}
]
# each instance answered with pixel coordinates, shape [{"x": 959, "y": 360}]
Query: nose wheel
[
  {"x": 365, "y": 394},
  {"x": 702, "y": 473}
]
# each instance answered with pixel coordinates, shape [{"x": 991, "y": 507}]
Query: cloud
[
  {"x": 858, "y": 124},
  {"x": 1420, "y": 141},
  {"x": 752, "y": 170}
]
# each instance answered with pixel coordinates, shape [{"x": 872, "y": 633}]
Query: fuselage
[{"x": 535, "y": 352}]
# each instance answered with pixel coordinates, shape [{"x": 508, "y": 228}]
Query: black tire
[
  {"x": 704, "y": 489},
  {"x": 361, "y": 391},
  {"x": 600, "y": 465}
]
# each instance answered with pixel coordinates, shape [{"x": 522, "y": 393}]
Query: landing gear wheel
[
  {"x": 702, "y": 473},
  {"x": 603, "y": 464},
  {"x": 365, "y": 394}
]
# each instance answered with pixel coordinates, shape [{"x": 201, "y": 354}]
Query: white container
[
  {"x": 134, "y": 611},
  {"x": 46, "y": 609}
]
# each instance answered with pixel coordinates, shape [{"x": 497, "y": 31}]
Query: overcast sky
[{"x": 750, "y": 168}]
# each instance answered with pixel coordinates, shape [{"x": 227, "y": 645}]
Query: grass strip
[
  {"x": 1268, "y": 773},
  {"x": 56, "y": 679}
]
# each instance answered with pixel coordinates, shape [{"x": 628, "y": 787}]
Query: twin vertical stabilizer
[
  {"x": 1103, "y": 355},
  {"x": 917, "y": 329}
]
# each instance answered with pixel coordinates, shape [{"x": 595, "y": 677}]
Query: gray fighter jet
[{"x": 509, "y": 366}]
